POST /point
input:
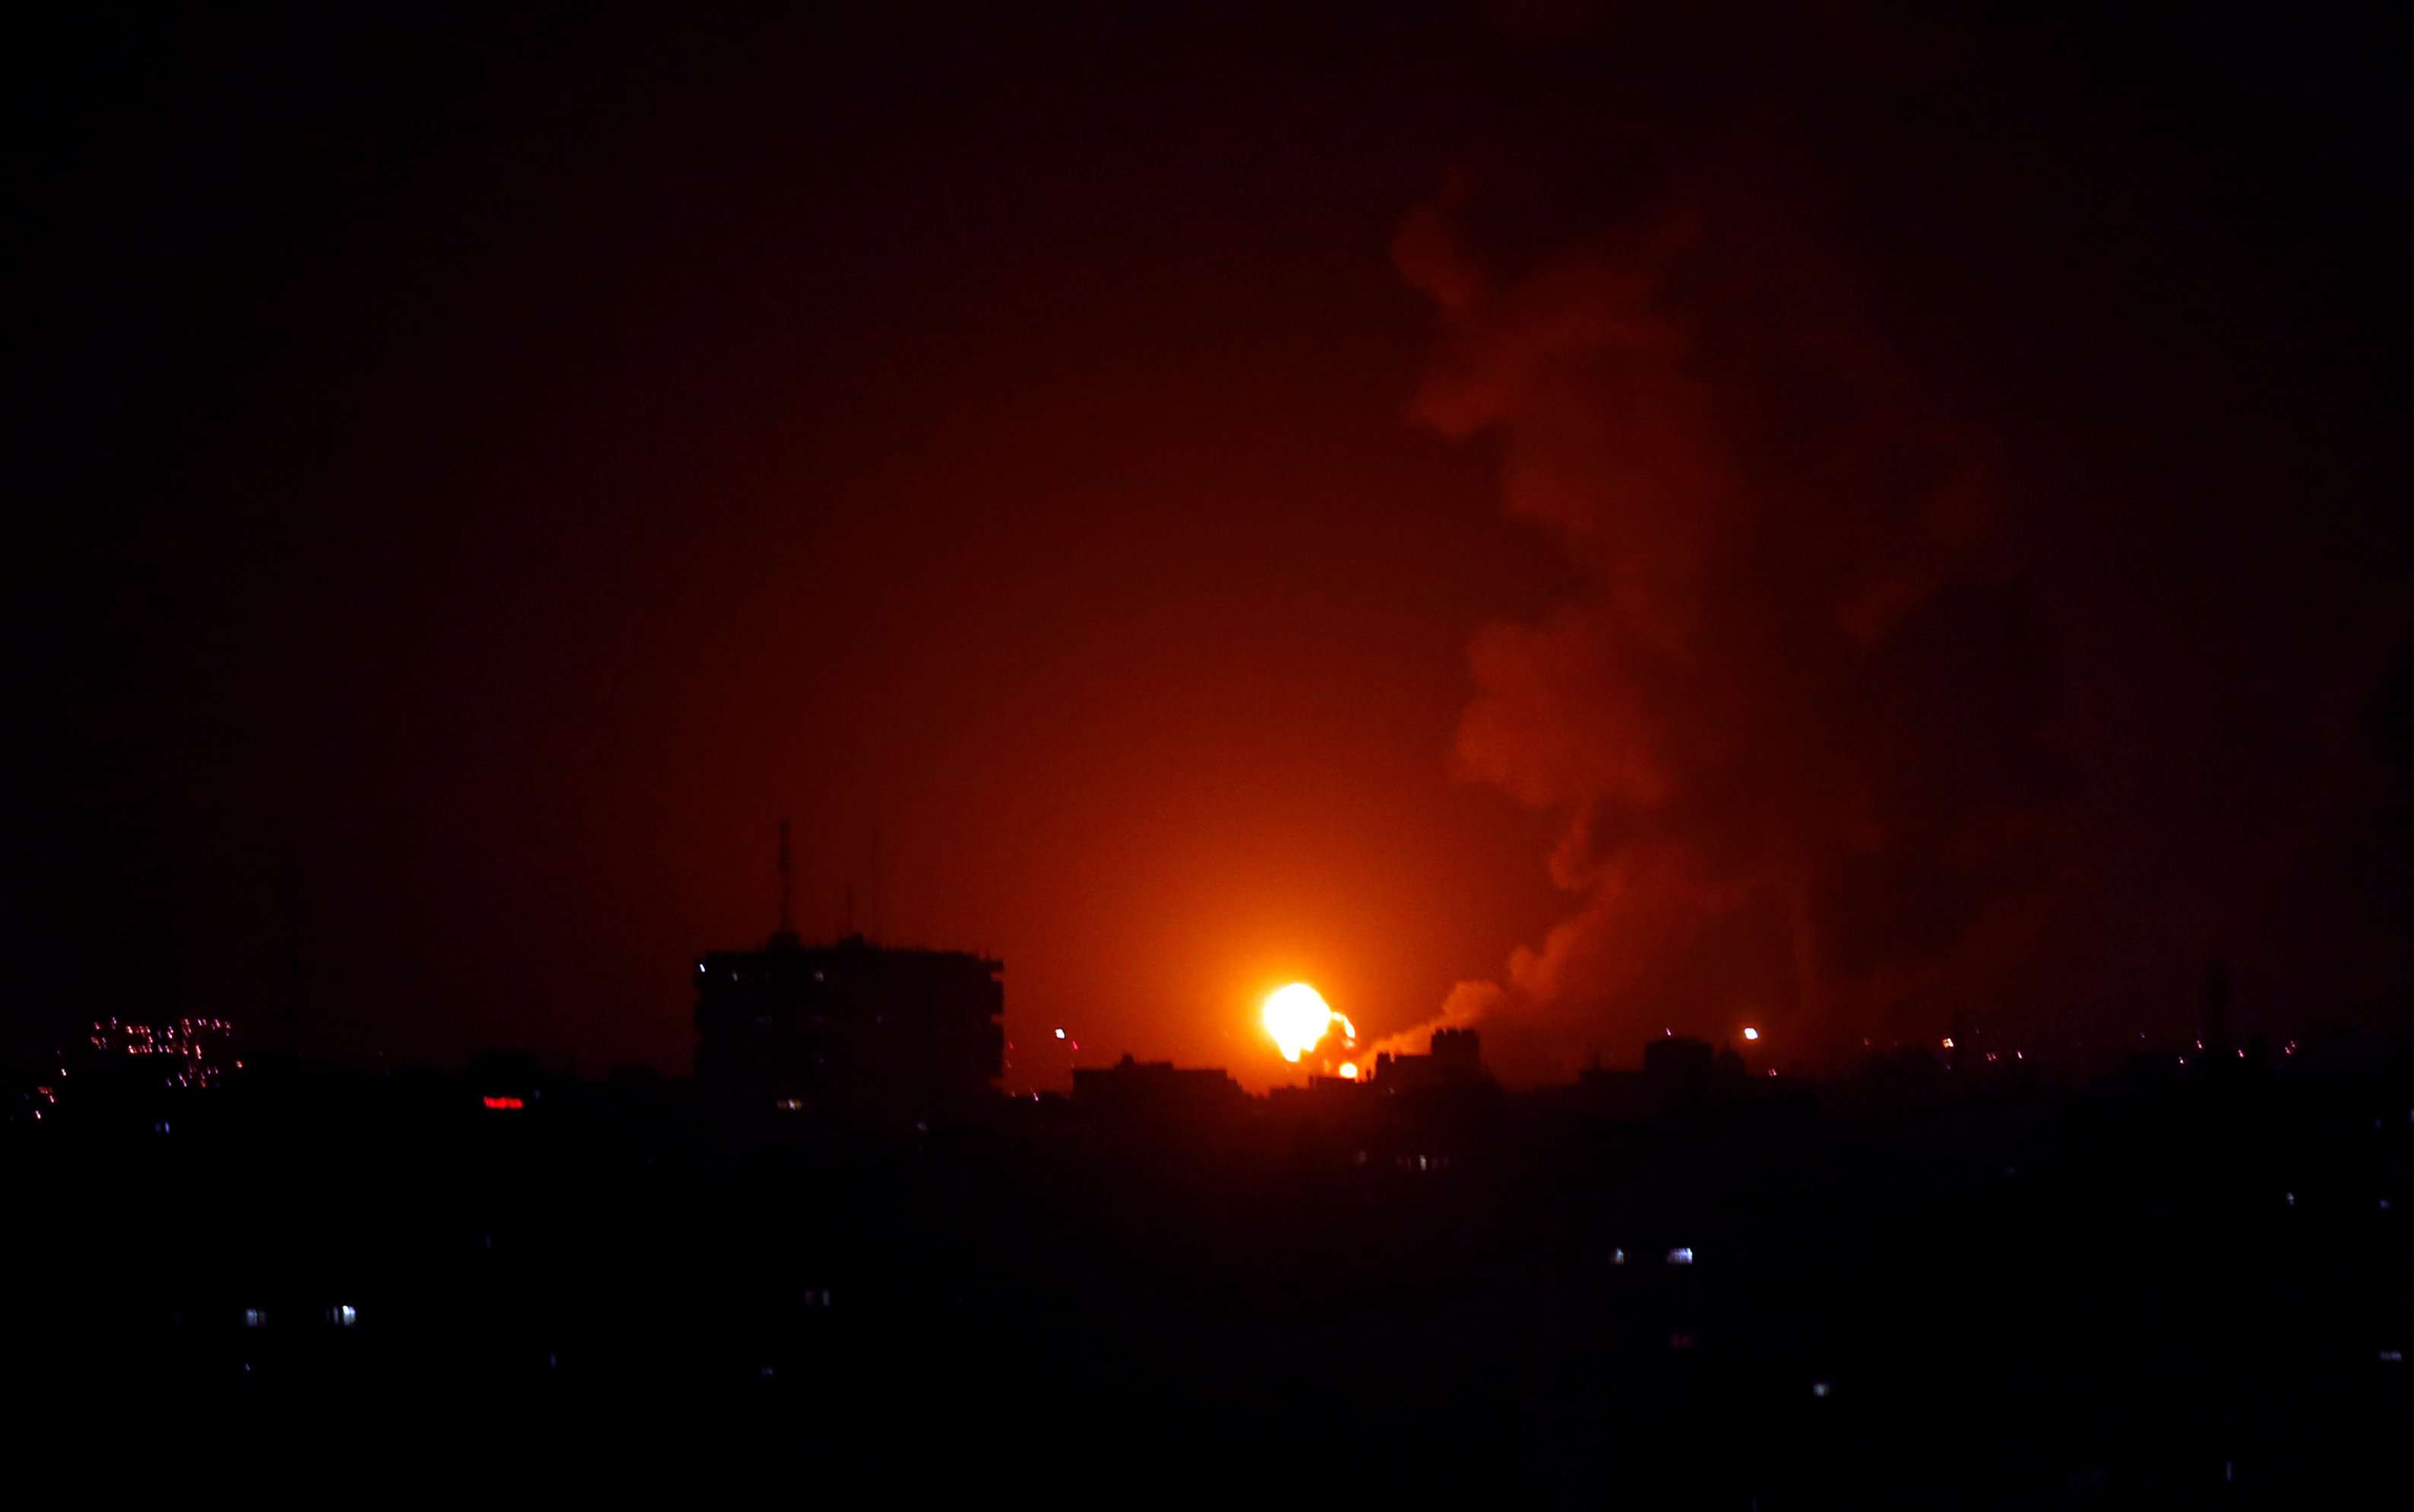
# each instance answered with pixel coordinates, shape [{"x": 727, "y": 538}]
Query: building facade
[{"x": 850, "y": 1029}]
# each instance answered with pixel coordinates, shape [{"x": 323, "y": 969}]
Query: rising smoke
[
  {"x": 1791, "y": 718},
  {"x": 1851, "y": 722}
]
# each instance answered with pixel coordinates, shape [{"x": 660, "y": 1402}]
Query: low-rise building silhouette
[
  {"x": 1456, "y": 1061},
  {"x": 1133, "y": 1088}
]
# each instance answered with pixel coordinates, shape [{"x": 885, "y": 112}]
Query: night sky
[{"x": 1573, "y": 519}]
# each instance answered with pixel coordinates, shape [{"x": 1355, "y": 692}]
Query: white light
[
  {"x": 254, "y": 1318},
  {"x": 1681, "y": 1256},
  {"x": 1617, "y": 1257},
  {"x": 1819, "y": 1388},
  {"x": 1060, "y": 1033},
  {"x": 343, "y": 1316}
]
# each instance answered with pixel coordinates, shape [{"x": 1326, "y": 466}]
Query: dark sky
[{"x": 1826, "y": 519}]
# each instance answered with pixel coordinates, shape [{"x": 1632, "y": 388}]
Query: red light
[{"x": 502, "y": 1101}]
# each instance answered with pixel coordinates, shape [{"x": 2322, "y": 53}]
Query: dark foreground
[{"x": 2168, "y": 1292}]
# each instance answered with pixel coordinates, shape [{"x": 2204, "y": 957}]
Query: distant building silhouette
[
  {"x": 1157, "y": 1090},
  {"x": 1456, "y": 1061},
  {"x": 1678, "y": 1065},
  {"x": 850, "y": 1029},
  {"x": 1679, "y": 1072}
]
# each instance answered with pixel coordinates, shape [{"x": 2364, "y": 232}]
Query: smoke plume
[
  {"x": 1791, "y": 718},
  {"x": 1937, "y": 643}
]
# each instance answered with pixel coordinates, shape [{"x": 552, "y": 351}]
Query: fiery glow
[
  {"x": 1348, "y": 1070},
  {"x": 1297, "y": 1018}
]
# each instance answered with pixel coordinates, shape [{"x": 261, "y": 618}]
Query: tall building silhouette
[{"x": 851, "y": 1029}]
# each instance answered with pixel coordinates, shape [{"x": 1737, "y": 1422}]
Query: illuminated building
[
  {"x": 851, "y": 1028},
  {"x": 184, "y": 1052}
]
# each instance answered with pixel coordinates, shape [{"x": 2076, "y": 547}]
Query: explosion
[{"x": 1297, "y": 1018}]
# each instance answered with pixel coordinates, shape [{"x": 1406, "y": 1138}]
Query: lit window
[
  {"x": 343, "y": 1316},
  {"x": 254, "y": 1318},
  {"x": 1683, "y": 1256},
  {"x": 1617, "y": 1257},
  {"x": 1819, "y": 1388}
]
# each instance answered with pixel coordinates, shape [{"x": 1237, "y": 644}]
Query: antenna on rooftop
[{"x": 788, "y": 888}]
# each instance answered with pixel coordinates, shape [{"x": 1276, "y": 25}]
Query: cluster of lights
[
  {"x": 1681, "y": 1255},
  {"x": 187, "y": 1040},
  {"x": 342, "y": 1315}
]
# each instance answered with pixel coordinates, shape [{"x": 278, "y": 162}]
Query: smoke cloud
[
  {"x": 1792, "y": 718},
  {"x": 1853, "y": 718}
]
